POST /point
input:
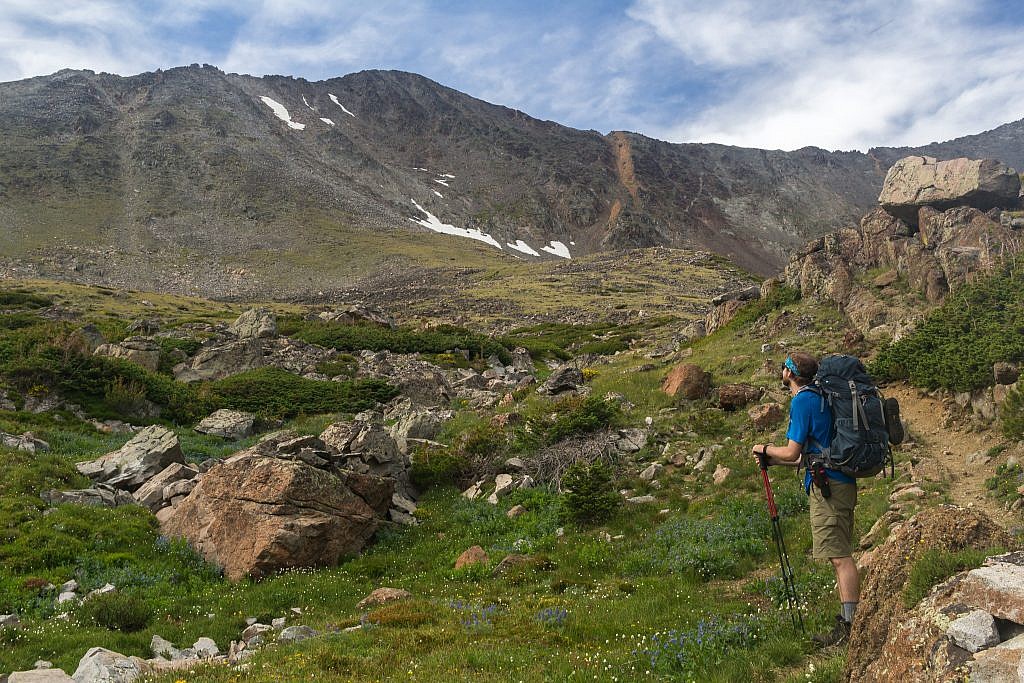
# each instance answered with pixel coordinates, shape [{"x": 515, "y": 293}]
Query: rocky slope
[{"x": 194, "y": 180}]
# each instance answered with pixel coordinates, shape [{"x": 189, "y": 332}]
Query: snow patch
[
  {"x": 441, "y": 182},
  {"x": 431, "y": 222},
  {"x": 335, "y": 100},
  {"x": 327, "y": 121},
  {"x": 438, "y": 194},
  {"x": 523, "y": 247},
  {"x": 447, "y": 175},
  {"x": 282, "y": 113},
  {"x": 417, "y": 168},
  {"x": 557, "y": 248},
  {"x": 307, "y": 103}
]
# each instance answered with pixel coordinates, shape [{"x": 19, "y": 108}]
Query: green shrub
[
  {"x": 437, "y": 468},
  {"x": 168, "y": 347},
  {"x": 1005, "y": 482},
  {"x": 582, "y": 417},
  {"x": 935, "y": 566},
  {"x": 273, "y": 392},
  {"x": 590, "y": 495},
  {"x": 1011, "y": 414},
  {"x": 956, "y": 345},
  {"x": 20, "y": 298},
  {"x": 342, "y": 364},
  {"x": 359, "y": 337},
  {"x": 117, "y": 611},
  {"x": 126, "y": 397}
]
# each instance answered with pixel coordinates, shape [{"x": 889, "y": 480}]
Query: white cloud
[{"x": 842, "y": 76}]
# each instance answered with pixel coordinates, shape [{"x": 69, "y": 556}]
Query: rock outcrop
[
  {"x": 253, "y": 515},
  {"x": 230, "y": 424},
  {"x": 139, "y": 350},
  {"x": 143, "y": 457},
  {"x": 917, "y": 181},
  {"x": 218, "y": 360},
  {"x": 890, "y": 642},
  {"x": 255, "y": 323}
]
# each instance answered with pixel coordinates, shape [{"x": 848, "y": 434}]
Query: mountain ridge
[{"x": 180, "y": 179}]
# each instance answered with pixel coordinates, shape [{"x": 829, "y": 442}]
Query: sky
[{"x": 836, "y": 74}]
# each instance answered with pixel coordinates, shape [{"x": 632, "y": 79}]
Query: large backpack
[{"x": 861, "y": 432}]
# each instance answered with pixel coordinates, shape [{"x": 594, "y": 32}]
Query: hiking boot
[{"x": 839, "y": 635}]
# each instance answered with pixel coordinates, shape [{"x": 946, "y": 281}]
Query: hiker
[{"x": 833, "y": 495}]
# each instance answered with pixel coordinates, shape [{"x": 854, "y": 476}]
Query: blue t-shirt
[{"x": 809, "y": 416}]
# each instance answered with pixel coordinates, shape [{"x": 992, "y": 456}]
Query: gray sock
[{"x": 848, "y": 609}]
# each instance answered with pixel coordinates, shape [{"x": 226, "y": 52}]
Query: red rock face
[{"x": 257, "y": 515}]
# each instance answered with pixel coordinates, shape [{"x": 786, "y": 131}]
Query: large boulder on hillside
[
  {"x": 422, "y": 382},
  {"x": 100, "y": 665},
  {"x": 565, "y": 378},
  {"x": 139, "y": 350},
  {"x": 917, "y": 181},
  {"x": 144, "y": 456},
  {"x": 254, "y": 515},
  {"x": 229, "y": 424},
  {"x": 735, "y": 396},
  {"x": 220, "y": 360},
  {"x": 687, "y": 380},
  {"x": 891, "y": 643},
  {"x": 256, "y": 323}
]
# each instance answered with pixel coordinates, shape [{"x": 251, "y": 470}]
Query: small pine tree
[{"x": 590, "y": 495}]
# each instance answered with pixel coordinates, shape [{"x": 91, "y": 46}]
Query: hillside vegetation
[{"x": 681, "y": 586}]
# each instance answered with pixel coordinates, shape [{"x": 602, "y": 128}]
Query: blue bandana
[{"x": 792, "y": 367}]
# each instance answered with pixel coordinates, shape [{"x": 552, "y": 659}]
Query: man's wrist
[{"x": 764, "y": 450}]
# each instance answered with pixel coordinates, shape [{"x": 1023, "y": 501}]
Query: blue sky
[{"x": 757, "y": 73}]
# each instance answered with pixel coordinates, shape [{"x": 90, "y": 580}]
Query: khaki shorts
[{"x": 832, "y": 521}]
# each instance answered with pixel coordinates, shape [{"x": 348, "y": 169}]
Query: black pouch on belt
[{"x": 820, "y": 479}]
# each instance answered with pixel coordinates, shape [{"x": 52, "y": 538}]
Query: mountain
[{"x": 197, "y": 181}]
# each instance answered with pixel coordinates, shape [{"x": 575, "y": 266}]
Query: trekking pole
[{"x": 788, "y": 579}]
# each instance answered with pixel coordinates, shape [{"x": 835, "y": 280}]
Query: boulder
[
  {"x": 766, "y": 415},
  {"x": 722, "y": 314},
  {"x": 100, "y": 665},
  {"x": 652, "y": 471},
  {"x": 513, "y": 561},
  {"x": 416, "y": 423},
  {"x": 997, "y": 588},
  {"x": 721, "y": 474},
  {"x": 40, "y": 676},
  {"x": 974, "y": 631},
  {"x": 151, "y": 494},
  {"x": 521, "y": 361},
  {"x": 221, "y": 359},
  {"x": 630, "y": 440},
  {"x": 734, "y": 396},
  {"x": 565, "y": 378},
  {"x": 139, "y": 350},
  {"x": 381, "y": 595},
  {"x": 255, "y": 323},
  {"x": 917, "y": 181},
  {"x": 688, "y": 380},
  {"x": 889, "y": 642},
  {"x": 230, "y": 424},
  {"x": 97, "y": 496},
  {"x": 999, "y": 664},
  {"x": 26, "y": 442},
  {"x": 296, "y": 634},
  {"x": 474, "y": 555},
  {"x": 144, "y": 456},
  {"x": 255, "y": 515},
  {"x": 206, "y": 648}
]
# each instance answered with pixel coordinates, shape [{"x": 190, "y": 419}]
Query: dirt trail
[{"x": 943, "y": 452}]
